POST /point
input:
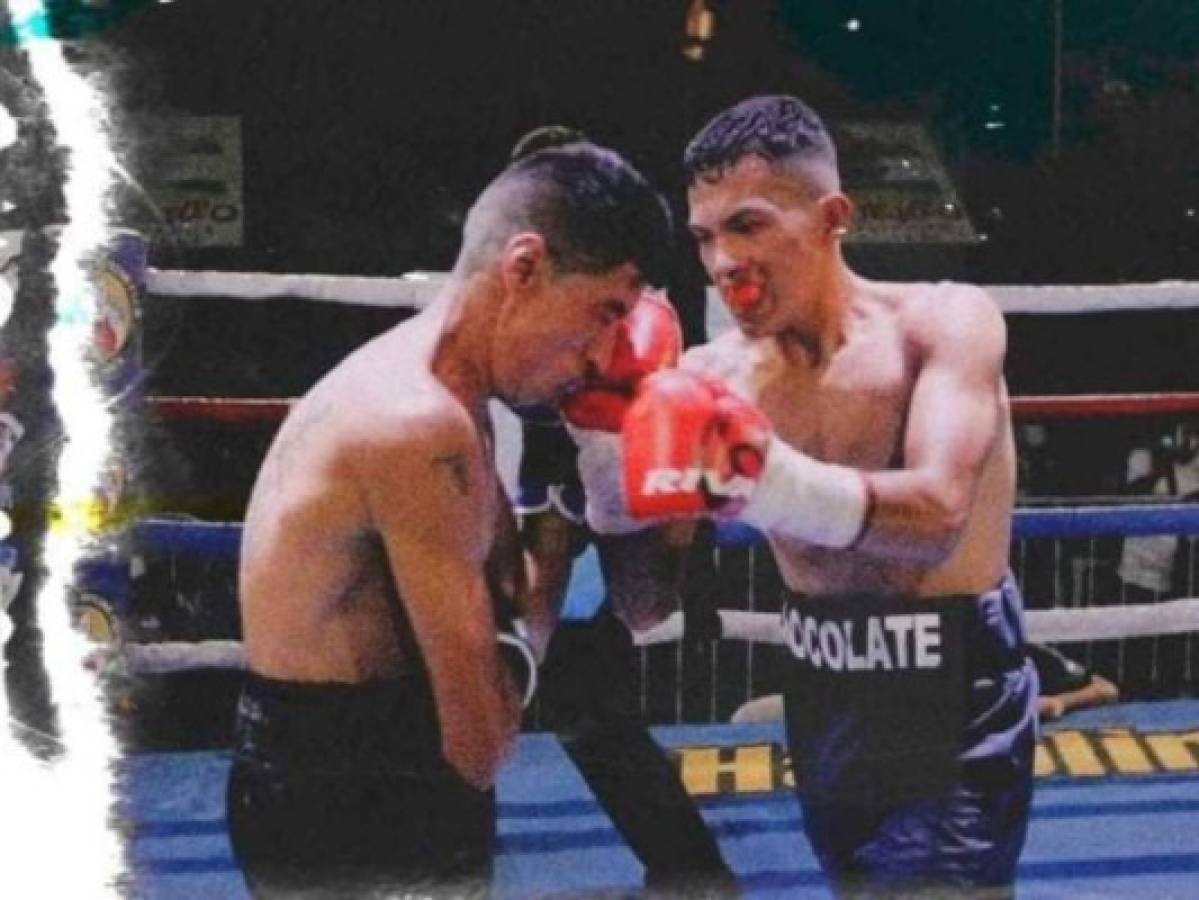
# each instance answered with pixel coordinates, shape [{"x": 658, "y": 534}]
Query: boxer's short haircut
[
  {"x": 594, "y": 211},
  {"x": 782, "y": 130}
]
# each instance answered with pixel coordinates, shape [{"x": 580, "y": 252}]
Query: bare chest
[{"x": 851, "y": 411}]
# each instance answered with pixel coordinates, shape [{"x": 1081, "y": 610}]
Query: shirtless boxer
[
  {"x": 378, "y": 540},
  {"x": 864, "y": 427}
]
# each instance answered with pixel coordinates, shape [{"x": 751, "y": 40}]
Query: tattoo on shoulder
[{"x": 456, "y": 465}]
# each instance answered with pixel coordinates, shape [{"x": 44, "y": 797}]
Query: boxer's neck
[
  {"x": 817, "y": 327},
  {"x": 465, "y": 313}
]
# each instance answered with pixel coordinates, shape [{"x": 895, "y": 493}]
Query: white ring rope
[
  {"x": 182, "y": 656},
  {"x": 1095, "y": 298},
  {"x": 413, "y": 290},
  {"x": 416, "y": 289},
  {"x": 1044, "y": 626},
  {"x": 1095, "y": 623}
]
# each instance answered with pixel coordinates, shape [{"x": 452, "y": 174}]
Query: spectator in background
[
  {"x": 1039, "y": 565},
  {"x": 1158, "y": 567},
  {"x": 1065, "y": 685}
]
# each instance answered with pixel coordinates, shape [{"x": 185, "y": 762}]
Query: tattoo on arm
[{"x": 456, "y": 465}]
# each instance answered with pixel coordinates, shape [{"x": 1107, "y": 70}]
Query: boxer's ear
[
  {"x": 836, "y": 211},
  {"x": 524, "y": 262}
]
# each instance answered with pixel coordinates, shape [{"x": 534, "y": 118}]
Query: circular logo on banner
[
  {"x": 96, "y": 620},
  {"x": 115, "y": 312}
]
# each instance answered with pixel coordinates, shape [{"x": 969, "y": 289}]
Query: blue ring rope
[
  {"x": 1094, "y": 521},
  {"x": 223, "y": 539},
  {"x": 1123, "y": 520}
]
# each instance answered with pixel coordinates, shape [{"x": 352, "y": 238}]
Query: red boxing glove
[
  {"x": 647, "y": 339},
  {"x": 690, "y": 447}
]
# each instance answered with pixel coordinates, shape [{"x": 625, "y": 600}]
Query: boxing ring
[
  {"x": 1118, "y": 787},
  {"x": 1096, "y": 831}
]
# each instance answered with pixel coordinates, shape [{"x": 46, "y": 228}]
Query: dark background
[{"x": 369, "y": 126}]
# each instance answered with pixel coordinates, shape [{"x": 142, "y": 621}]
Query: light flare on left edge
[{"x": 57, "y": 830}]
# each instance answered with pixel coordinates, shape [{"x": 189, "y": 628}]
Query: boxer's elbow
[
  {"x": 479, "y": 712},
  {"x": 476, "y": 745},
  {"x": 476, "y": 762}
]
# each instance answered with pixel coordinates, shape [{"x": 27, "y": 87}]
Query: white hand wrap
[
  {"x": 600, "y": 470},
  {"x": 802, "y": 497}
]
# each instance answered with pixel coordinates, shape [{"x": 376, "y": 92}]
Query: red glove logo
[{"x": 691, "y": 447}]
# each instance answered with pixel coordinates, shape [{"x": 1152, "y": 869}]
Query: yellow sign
[{"x": 766, "y": 767}]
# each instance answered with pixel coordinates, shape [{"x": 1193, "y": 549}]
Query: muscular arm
[
  {"x": 429, "y": 499},
  {"x": 955, "y": 416}
]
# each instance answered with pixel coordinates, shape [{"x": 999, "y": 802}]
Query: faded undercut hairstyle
[
  {"x": 543, "y": 137},
  {"x": 782, "y": 130},
  {"x": 594, "y": 211}
]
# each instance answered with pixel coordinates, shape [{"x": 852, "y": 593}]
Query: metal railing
[{"x": 706, "y": 681}]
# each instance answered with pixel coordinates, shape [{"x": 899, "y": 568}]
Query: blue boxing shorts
[{"x": 912, "y": 727}]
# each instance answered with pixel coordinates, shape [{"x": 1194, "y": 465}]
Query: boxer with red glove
[
  {"x": 692, "y": 447},
  {"x": 647, "y": 339}
]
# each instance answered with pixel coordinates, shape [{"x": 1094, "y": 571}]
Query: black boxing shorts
[
  {"x": 341, "y": 790},
  {"x": 912, "y": 728}
]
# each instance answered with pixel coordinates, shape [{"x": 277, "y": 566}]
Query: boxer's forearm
[
  {"x": 549, "y": 540},
  {"x": 915, "y": 516},
  {"x": 478, "y": 702}
]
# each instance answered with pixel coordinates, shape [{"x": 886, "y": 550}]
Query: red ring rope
[
  {"x": 222, "y": 409},
  {"x": 1084, "y": 406},
  {"x": 1063, "y": 406}
]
